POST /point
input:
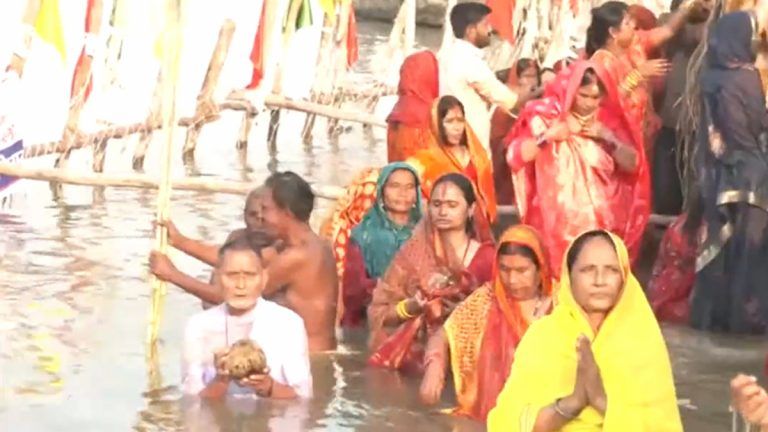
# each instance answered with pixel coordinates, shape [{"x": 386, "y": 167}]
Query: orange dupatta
[
  {"x": 348, "y": 211},
  {"x": 483, "y": 333},
  {"x": 435, "y": 161}
]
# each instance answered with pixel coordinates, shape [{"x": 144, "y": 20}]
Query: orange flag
[
  {"x": 352, "y": 50},
  {"x": 81, "y": 58},
  {"x": 502, "y": 12},
  {"x": 257, "y": 52}
]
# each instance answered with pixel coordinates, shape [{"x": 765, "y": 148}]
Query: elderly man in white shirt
[
  {"x": 465, "y": 74},
  {"x": 277, "y": 330}
]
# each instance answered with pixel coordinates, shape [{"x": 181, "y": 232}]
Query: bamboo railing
[{"x": 142, "y": 181}]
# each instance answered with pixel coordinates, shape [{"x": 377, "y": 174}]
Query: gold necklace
[{"x": 583, "y": 120}]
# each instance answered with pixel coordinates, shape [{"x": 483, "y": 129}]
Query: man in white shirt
[
  {"x": 245, "y": 315},
  {"x": 465, "y": 74}
]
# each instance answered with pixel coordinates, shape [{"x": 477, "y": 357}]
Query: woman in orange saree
[
  {"x": 409, "y": 122},
  {"x": 482, "y": 334},
  {"x": 454, "y": 148},
  {"x": 524, "y": 73},
  {"x": 438, "y": 267},
  {"x": 575, "y": 165},
  {"x": 615, "y": 44}
]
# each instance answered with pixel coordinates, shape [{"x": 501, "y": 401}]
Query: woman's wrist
[
  {"x": 570, "y": 406},
  {"x": 403, "y": 310}
]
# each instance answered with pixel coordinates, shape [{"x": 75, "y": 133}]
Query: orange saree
[
  {"x": 483, "y": 333},
  {"x": 423, "y": 258},
  {"x": 435, "y": 161},
  {"x": 347, "y": 213},
  {"x": 408, "y": 123}
]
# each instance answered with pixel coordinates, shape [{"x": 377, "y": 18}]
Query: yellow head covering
[{"x": 629, "y": 350}]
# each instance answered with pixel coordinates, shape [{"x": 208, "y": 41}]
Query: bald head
[{"x": 252, "y": 214}]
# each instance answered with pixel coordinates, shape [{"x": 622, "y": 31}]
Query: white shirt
[
  {"x": 465, "y": 74},
  {"x": 277, "y": 330}
]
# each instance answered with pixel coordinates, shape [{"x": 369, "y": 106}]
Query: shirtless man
[
  {"x": 302, "y": 277},
  {"x": 162, "y": 267},
  {"x": 306, "y": 270}
]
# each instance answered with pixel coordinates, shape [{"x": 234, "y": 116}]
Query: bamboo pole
[
  {"x": 238, "y": 103},
  {"x": 207, "y": 110},
  {"x": 145, "y": 136},
  {"x": 170, "y": 74},
  {"x": 324, "y": 111},
  {"x": 142, "y": 181}
]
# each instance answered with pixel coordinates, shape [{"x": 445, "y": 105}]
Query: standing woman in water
[
  {"x": 615, "y": 44},
  {"x": 435, "y": 270},
  {"x": 575, "y": 164},
  {"x": 598, "y": 362},
  {"x": 730, "y": 293},
  {"x": 373, "y": 243},
  {"x": 454, "y": 148}
]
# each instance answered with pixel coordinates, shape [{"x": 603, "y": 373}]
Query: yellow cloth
[
  {"x": 48, "y": 26},
  {"x": 629, "y": 350}
]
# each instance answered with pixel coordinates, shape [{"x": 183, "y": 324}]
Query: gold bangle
[{"x": 402, "y": 311}]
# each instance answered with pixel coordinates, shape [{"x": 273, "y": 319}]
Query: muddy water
[{"x": 74, "y": 297}]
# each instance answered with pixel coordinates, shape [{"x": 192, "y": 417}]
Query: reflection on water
[{"x": 74, "y": 302}]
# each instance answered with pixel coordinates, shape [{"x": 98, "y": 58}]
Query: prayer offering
[{"x": 245, "y": 358}]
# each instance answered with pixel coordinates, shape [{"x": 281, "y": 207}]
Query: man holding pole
[{"x": 303, "y": 275}]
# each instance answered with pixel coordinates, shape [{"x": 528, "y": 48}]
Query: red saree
[
  {"x": 434, "y": 162},
  {"x": 408, "y": 123},
  {"x": 420, "y": 259},
  {"x": 483, "y": 333},
  {"x": 643, "y": 121},
  {"x": 348, "y": 211},
  {"x": 674, "y": 274},
  {"x": 574, "y": 185}
]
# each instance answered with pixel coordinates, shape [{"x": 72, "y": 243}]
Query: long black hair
[
  {"x": 575, "y": 250},
  {"x": 605, "y": 17}
]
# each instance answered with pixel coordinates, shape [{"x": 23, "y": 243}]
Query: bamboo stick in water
[{"x": 170, "y": 74}]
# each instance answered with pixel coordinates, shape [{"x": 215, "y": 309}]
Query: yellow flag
[{"x": 48, "y": 26}]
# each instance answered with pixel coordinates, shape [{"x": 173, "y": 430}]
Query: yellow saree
[{"x": 629, "y": 350}]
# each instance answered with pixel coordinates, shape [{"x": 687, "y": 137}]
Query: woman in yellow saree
[{"x": 599, "y": 361}]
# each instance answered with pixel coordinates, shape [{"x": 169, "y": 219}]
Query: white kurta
[
  {"x": 277, "y": 330},
  {"x": 465, "y": 74}
]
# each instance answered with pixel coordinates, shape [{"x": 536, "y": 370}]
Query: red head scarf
[{"x": 418, "y": 88}]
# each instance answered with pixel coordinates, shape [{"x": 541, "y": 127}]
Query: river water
[{"x": 74, "y": 302}]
